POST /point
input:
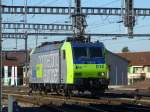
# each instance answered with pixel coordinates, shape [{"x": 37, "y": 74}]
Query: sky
[{"x": 96, "y": 24}]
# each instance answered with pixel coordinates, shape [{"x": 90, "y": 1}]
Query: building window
[
  {"x": 9, "y": 71},
  {"x": 138, "y": 69},
  {"x": 134, "y": 70},
  {"x": 148, "y": 68},
  {"x": 129, "y": 70}
]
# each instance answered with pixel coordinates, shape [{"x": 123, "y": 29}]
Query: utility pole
[
  {"x": 129, "y": 19},
  {"x": 78, "y": 22},
  {"x": 16, "y": 30},
  {"x": 1, "y": 56},
  {"x": 36, "y": 38},
  {"x": 26, "y": 63},
  {"x": 122, "y": 7},
  {"x": 26, "y": 39}
]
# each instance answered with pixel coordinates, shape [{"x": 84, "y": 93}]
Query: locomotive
[{"x": 65, "y": 66}]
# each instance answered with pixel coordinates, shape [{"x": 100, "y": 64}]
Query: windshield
[
  {"x": 87, "y": 52},
  {"x": 95, "y": 52},
  {"x": 79, "y": 52}
]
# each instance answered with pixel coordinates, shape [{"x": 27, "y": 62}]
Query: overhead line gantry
[
  {"x": 37, "y": 26},
  {"x": 66, "y": 10},
  {"x": 21, "y": 35}
]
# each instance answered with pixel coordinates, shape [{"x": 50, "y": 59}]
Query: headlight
[{"x": 103, "y": 74}]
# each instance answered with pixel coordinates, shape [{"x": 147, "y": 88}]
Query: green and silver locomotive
[{"x": 67, "y": 66}]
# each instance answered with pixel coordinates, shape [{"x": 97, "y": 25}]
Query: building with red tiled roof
[
  {"x": 139, "y": 65},
  {"x": 137, "y": 58},
  {"x": 15, "y": 58},
  {"x": 13, "y": 63}
]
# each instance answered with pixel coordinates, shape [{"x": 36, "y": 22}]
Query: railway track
[
  {"x": 107, "y": 97},
  {"x": 80, "y": 106},
  {"x": 108, "y": 93},
  {"x": 57, "y": 103},
  {"x": 65, "y": 108},
  {"x": 46, "y": 99}
]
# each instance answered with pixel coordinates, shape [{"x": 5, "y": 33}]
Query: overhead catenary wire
[
  {"x": 10, "y": 47},
  {"x": 111, "y": 39},
  {"x": 108, "y": 3},
  {"x": 111, "y": 2},
  {"x": 30, "y": 43},
  {"x": 13, "y": 17},
  {"x": 41, "y": 3},
  {"x": 131, "y": 41}
]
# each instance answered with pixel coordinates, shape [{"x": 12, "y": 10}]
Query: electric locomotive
[{"x": 65, "y": 66}]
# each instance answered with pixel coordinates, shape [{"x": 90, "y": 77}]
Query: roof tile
[{"x": 137, "y": 58}]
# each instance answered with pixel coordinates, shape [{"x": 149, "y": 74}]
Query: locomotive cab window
[
  {"x": 64, "y": 54},
  {"x": 95, "y": 52},
  {"x": 80, "y": 52}
]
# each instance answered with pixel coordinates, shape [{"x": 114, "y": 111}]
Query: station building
[
  {"x": 139, "y": 66},
  {"x": 13, "y": 67}
]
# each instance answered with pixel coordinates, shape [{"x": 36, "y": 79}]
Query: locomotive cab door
[{"x": 63, "y": 66}]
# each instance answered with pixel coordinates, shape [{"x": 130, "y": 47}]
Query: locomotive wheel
[
  {"x": 68, "y": 91},
  {"x": 59, "y": 90}
]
